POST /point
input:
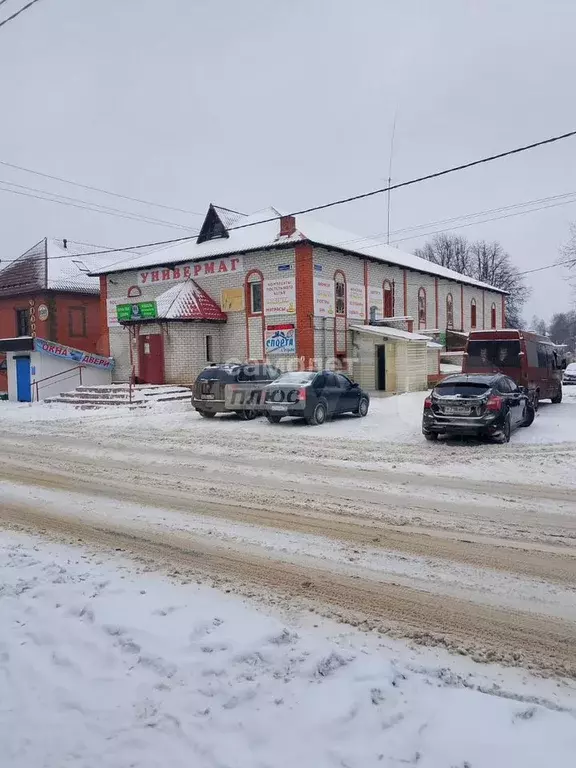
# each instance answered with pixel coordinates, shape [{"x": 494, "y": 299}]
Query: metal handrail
[{"x": 67, "y": 373}]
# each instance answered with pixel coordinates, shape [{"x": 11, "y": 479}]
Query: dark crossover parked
[
  {"x": 215, "y": 389},
  {"x": 490, "y": 405},
  {"x": 314, "y": 396}
]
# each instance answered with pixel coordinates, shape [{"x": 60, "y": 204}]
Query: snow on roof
[
  {"x": 68, "y": 268},
  {"x": 390, "y": 333},
  {"x": 255, "y": 232},
  {"x": 187, "y": 301}
]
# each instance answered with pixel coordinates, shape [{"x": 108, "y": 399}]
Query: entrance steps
[{"x": 142, "y": 396}]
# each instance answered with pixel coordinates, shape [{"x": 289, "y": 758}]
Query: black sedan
[
  {"x": 314, "y": 396},
  {"x": 480, "y": 405}
]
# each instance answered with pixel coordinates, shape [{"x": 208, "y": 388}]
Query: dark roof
[{"x": 27, "y": 274}]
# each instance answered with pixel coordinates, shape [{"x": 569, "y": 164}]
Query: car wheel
[
  {"x": 207, "y": 414},
  {"x": 504, "y": 435},
  {"x": 431, "y": 436},
  {"x": 558, "y": 398},
  {"x": 273, "y": 418},
  {"x": 248, "y": 415},
  {"x": 319, "y": 415},
  {"x": 363, "y": 406},
  {"x": 529, "y": 416}
]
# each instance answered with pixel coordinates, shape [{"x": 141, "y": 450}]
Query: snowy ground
[
  {"x": 102, "y": 665},
  {"x": 459, "y": 545}
]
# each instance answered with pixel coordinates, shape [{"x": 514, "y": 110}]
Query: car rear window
[
  {"x": 295, "y": 377},
  {"x": 493, "y": 354},
  {"x": 462, "y": 388},
  {"x": 218, "y": 372}
]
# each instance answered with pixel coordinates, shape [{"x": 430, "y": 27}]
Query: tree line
[{"x": 484, "y": 261}]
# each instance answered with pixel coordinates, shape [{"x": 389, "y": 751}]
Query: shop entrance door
[
  {"x": 381, "y": 367},
  {"x": 151, "y": 358},
  {"x": 23, "y": 383}
]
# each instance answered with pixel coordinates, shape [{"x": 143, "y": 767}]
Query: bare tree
[
  {"x": 563, "y": 329},
  {"x": 539, "y": 325},
  {"x": 568, "y": 255},
  {"x": 450, "y": 251},
  {"x": 487, "y": 262}
]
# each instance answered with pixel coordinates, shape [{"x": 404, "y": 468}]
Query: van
[{"x": 532, "y": 361}]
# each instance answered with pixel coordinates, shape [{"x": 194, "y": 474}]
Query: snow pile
[{"x": 102, "y": 666}]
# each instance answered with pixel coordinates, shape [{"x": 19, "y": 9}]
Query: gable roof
[
  {"x": 51, "y": 264},
  {"x": 187, "y": 301},
  {"x": 261, "y": 231}
]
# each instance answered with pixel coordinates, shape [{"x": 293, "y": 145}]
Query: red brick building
[{"x": 47, "y": 292}]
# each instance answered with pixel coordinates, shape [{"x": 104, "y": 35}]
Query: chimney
[
  {"x": 287, "y": 226},
  {"x": 65, "y": 243}
]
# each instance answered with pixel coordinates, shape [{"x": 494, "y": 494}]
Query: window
[
  {"x": 209, "y": 350},
  {"x": 421, "y": 308},
  {"x": 22, "y": 322},
  {"x": 340, "y": 293},
  {"x": 449, "y": 311},
  {"x": 343, "y": 381},
  {"x": 388, "y": 299},
  {"x": 492, "y": 355},
  {"x": 331, "y": 380},
  {"x": 256, "y": 298},
  {"x": 493, "y": 316},
  {"x": 473, "y": 313},
  {"x": 77, "y": 321},
  {"x": 462, "y": 389},
  {"x": 504, "y": 386}
]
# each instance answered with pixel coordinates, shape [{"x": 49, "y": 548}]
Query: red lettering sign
[
  {"x": 156, "y": 276},
  {"x": 166, "y": 274},
  {"x": 186, "y": 272},
  {"x": 143, "y": 276},
  {"x": 176, "y": 273},
  {"x": 222, "y": 267},
  {"x": 208, "y": 267},
  {"x": 234, "y": 264}
]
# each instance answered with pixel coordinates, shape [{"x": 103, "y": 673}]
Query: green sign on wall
[{"x": 145, "y": 310}]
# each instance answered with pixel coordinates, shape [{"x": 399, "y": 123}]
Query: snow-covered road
[
  {"x": 105, "y": 665},
  {"x": 457, "y": 546}
]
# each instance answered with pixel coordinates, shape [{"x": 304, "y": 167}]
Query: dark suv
[
  {"x": 490, "y": 405},
  {"x": 232, "y": 389}
]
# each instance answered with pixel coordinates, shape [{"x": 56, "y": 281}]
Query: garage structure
[{"x": 289, "y": 290}]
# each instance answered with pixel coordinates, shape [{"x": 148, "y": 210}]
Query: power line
[
  {"x": 362, "y": 196},
  {"x": 96, "y": 189},
  {"x": 17, "y": 13},
  {"x": 342, "y": 201},
  {"x": 75, "y": 202}
]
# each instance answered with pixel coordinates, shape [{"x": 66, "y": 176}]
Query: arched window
[
  {"x": 254, "y": 292},
  {"x": 449, "y": 311},
  {"x": 388, "y": 298},
  {"x": 473, "y": 313},
  {"x": 421, "y": 308},
  {"x": 493, "y": 316},
  {"x": 340, "y": 293}
]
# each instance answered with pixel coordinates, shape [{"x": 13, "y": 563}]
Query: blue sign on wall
[{"x": 284, "y": 267}]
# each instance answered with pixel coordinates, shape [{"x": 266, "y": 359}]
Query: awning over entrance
[
  {"x": 187, "y": 301},
  {"x": 386, "y": 332}
]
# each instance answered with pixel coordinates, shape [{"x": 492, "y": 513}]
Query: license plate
[
  {"x": 207, "y": 397},
  {"x": 456, "y": 410},
  {"x": 278, "y": 408}
]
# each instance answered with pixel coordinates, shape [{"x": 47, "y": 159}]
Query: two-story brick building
[
  {"x": 47, "y": 292},
  {"x": 268, "y": 286}
]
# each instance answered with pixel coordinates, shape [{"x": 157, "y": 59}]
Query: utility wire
[
  {"x": 362, "y": 196},
  {"x": 17, "y": 13},
  {"x": 75, "y": 202},
  {"x": 96, "y": 189},
  {"x": 342, "y": 201}
]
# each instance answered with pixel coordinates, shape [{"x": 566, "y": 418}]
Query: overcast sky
[{"x": 250, "y": 103}]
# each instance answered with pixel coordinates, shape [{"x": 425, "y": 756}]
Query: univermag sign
[
  {"x": 193, "y": 270},
  {"x": 75, "y": 355}
]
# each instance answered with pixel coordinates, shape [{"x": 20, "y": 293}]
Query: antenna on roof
[{"x": 390, "y": 176}]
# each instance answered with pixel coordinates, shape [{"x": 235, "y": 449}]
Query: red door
[{"x": 151, "y": 358}]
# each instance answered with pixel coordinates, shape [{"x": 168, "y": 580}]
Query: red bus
[{"x": 533, "y": 361}]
